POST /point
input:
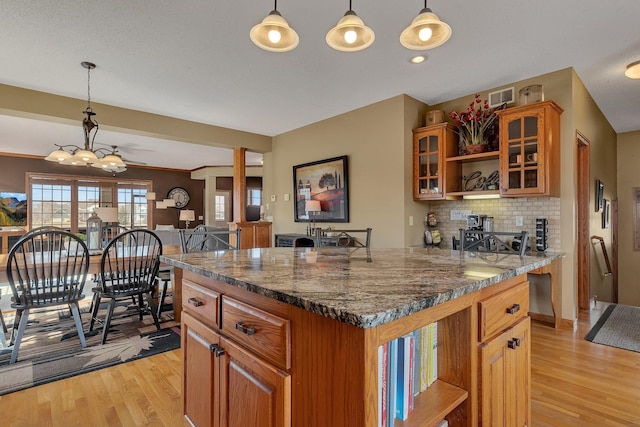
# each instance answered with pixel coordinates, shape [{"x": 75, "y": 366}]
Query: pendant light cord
[{"x": 89, "y": 89}]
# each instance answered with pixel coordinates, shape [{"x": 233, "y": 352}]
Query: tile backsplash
[{"x": 504, "y": 212}]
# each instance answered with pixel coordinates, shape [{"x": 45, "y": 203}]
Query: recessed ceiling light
[
  {"x": 417, "y": 59},
  {"x": 633, "y": 70}
]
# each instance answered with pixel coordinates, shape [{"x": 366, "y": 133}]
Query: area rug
[
  {"x": 51, "y": 349},
  {"x": 619, "y": 326}
]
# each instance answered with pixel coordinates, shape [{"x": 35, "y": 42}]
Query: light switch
[
  {"x": 286, "y": 197},
  {"x": 273, "y": 197}
]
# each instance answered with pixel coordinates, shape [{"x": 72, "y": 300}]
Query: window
[
  {"x": 132, "y": 207},
  {"x": 220, "y": 208},
  {"x": 88, "y": 201},
  {"x": 254, "y": 197},
  {"x": 50, "y": 205},
  {"x": 67, "y": 201}
]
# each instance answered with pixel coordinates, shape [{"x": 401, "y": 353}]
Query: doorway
[
  {"x": 221, "y": 208},
  {"x": 583, "y": 192}
]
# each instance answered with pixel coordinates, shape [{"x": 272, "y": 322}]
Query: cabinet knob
[
  {"x": 513, "y": 343},
  {"x": 216, "y": 350},
  {"x": 249, "y": 331},
  {"x": 195, "y": 302},
  {"x": 513, "y": 309}
]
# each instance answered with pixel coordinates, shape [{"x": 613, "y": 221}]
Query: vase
[{"x": 475, "y": 149}]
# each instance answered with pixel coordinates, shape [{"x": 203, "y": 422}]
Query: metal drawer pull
[
  {"x": 513, "y": 309},
  {"x": 249, "y": 331},
  {"x": 195, "y": 302},
  {"x": 216, "y": 349},
  {"x": 512, "y": 344}
]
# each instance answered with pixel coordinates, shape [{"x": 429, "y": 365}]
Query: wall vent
[{"x": 504, "y": 96}]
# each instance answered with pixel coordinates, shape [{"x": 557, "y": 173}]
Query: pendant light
[
  {"x": 426, "y": 31},
  {"x": 350, "y": 34},
  {"x": 87, "y": 155},
  {"x": 274, "y": 33},
  {"x": 633, "y": 70}
]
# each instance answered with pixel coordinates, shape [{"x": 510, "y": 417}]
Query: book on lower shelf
[
  {"x": 392, "y": 375},
  {"x": 404, "y": 380},
  {"x": 383, "y": 366}
]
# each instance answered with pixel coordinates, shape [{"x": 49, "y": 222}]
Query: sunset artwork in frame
[{"x": 325, "y": 181}]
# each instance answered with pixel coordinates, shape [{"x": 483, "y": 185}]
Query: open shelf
[
  {"x": 433, "y": 404},
  {"x": 475, "y": 157}
]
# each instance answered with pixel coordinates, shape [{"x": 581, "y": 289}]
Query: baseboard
[
  {"x": 566, "y": 324},
  {"x": 542, "y": 318}
]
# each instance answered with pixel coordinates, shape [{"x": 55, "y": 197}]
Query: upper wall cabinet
[
  {"x": 431, "y": 145},
  {"x": 530, "y": 150}
]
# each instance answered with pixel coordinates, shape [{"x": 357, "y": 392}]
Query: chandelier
[{"x": 101, "y": 158}]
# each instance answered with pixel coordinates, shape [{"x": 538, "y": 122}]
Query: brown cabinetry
[
  {"x": 505, "y": 373},
  {"x": 263, "y": 362},
  {"x": 226, "y": 382},
  {"x": 431, "y": 146},
  {"x": 528, "y": 161},
  {"x": 530, "y": 150},
  {"x": 252, "y": 234}
]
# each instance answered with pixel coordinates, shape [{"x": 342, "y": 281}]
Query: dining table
[{"x": 94, "y": 263}]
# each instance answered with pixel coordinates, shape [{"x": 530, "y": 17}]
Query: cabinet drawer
[
  {"x": 500, "y": 311},
  {"x": 262, "y": 332},
  {"x": 201, "y": 301}
]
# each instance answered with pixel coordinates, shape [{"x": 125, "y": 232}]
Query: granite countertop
[{"x": 364, "y": 288}]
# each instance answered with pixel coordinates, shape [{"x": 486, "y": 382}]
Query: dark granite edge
[{"x": 366, "y": 321}]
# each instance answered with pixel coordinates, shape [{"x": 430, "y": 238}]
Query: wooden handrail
[{"x": 606, "y": 256}]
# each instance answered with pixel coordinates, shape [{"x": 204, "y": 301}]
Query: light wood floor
[
  {"x": 575, "y": 383},
  {"x": 578, "y": 383}
]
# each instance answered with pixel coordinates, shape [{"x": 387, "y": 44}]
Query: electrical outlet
[
  {"x": 286, "y": 197},
  {"x": 519, "y": 221}
]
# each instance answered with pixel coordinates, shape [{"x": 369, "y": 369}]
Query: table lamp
[
  {"x": 107, "y": 214},
  {"x": 312, "y": 206},
  {"x": 187, "y": 215}
]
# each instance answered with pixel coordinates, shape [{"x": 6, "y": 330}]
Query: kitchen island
[{"x": 291, "y": 336}]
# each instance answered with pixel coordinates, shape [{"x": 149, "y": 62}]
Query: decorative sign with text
[{"x": 476, "y": 181}]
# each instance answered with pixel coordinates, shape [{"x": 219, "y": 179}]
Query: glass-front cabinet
[
  {"x": 530, "y": 150},
  {"x": 429, "y": 151}
]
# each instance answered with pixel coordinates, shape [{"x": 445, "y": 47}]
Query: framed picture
[
  {"x": 599, "y": 194},
  {"x": 324, "y": 181},
  {"x": 13, "y": 209},
  {"x": 605, "y": 213}
]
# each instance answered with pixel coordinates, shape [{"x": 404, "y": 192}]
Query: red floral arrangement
[{"x": 475, "y": 125}]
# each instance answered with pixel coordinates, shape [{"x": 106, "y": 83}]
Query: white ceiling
[{"x": 194, "y": 60}]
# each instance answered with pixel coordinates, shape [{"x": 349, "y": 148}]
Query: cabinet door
[
  {"x": 253, "y": 392},
  {"x": 200, "y": 377},
  {"x": 427, "y": 165},
  {"x": 262, "y": 235},
  {"x": 506, "y": 378},
  {"x": 523, "y": 154}
]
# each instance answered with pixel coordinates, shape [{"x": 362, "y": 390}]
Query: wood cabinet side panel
[{"x": 334, "y": 368}]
